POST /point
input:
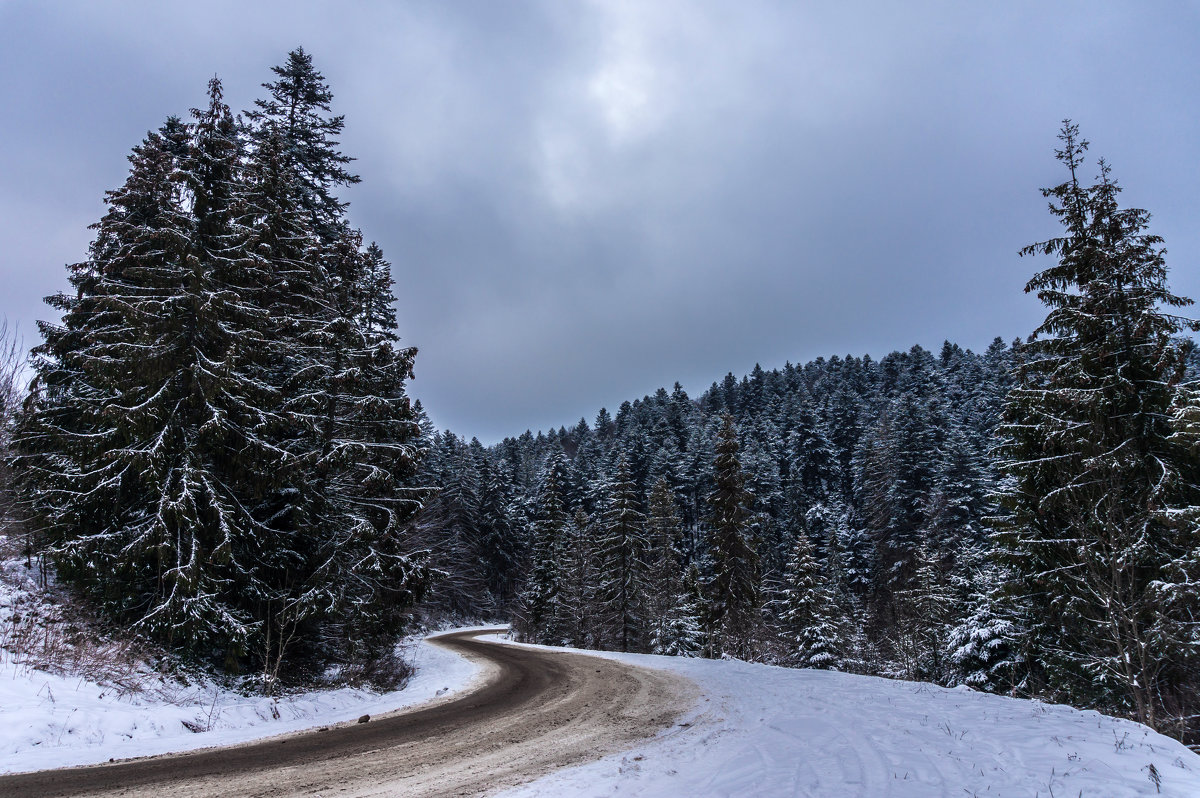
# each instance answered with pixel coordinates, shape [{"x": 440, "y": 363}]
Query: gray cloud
[{"x": 585, "y": 201}]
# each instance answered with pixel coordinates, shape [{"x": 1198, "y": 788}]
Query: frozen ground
[
  {"x": 758, "y": 730},
  {"x": 49, "y": 721},
  {"x": 765, "y": 731},
  {"x": 52, "y": 720}
]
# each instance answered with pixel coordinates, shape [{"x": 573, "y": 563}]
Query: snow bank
[
  {"x": 766, "y": 731},
  {"x": 49, "y": 721}
]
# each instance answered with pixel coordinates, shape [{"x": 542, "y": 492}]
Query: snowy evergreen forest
[
  {"x": 218, "y": 452},
  {"x": 1021, "y": 520}
]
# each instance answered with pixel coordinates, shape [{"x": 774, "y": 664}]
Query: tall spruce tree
[
  {"x": 540, "y": 614},
  {"x": 500, "y": 544},
  {"x": 1087, "y": 441},
  {"x": 579, "y": 582},
  {"x": 351, "y": 435},
  {"x": 732, "y": 592},
  {"x": 451, "y": 527},
  {"x": 671, "y": 617},
  {"x": 297, "y": 112},
  {"x": 236, "y": 436},
  {"x": 622, "y": 564},
  {"x": 984, "y": 645},
  {"x": 357, "y": 449},
  {"x": 894, "y": 473},
  {"x": 924, "y": 614},
  {"x": 808, "y": 619},
  {"x": 144, "y": 438}
]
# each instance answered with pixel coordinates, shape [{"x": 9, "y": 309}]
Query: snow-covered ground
[
  {"x": 757, "y": 731},
  {"x": 765, "y": 731},
  {"x": 51, "y": 721},
  {"x": 53, "y": 716},
  {"x": 68, "y": 696}
]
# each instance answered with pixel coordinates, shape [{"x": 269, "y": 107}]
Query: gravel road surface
[{"x": 532, "y": 712}]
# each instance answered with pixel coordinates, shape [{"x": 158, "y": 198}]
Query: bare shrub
[
  {"x": 388, "y": 672},
  {"x": 12, "y": 361},
  {"x": 40, "y": 632}
]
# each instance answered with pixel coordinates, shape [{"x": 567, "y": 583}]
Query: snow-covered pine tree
[
  {"x": 1086, "y": 438},
  {"x": 450, "y": 527},
  {"x": 537, "y": 621},
  {"x": 665, "y": 464},
  {"x": 672, "y": 623},
  {"x": 145, "y": 433},
  {"x": 955, "y": 507},
  {"x": 984, "y": 645},
  {"x": 363, "y": 449},
  {"x": 578, "y": 583},
  {"x": 604, "y": 426},
  {"x": 842, "y": 420},
  {"x": 621, "y": 552},
  {"x": 173, "y": 398},
  {"x": 808, "y": 614},
  {"x": 924, "y": 614},
  {"x": 894, "y": 471},
  {"x": 500, "y": 543},
  {"x": 732, "y": 601},
  {"x": 697, "y": 478},
  {"x": 352, "y": 436},
  {"x": 760, "y": 463},
  {"x": 288, "y": 254},
  {"x": 813, "y": 468},
  {"x": 378, "y": 315},
  {"x": 297, "y": 110},
  {"x": 1178, "y": 589}
]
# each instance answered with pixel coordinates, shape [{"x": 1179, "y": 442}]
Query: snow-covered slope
[
  {"x": 51, "y": 721},
  {"x": 68, "y": 697},
  {"x": 765, "y": 731}
]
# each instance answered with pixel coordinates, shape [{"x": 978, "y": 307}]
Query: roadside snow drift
[
  {"x": 765, "y": 731},
  {"x": 49, "y": 721}
]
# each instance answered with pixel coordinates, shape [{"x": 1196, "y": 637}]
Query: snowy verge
[
  {"x": 769, "y": 731},
  {"x": 50, "y": 721}
]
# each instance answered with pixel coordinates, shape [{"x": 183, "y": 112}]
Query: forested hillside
[
  {"x": 1019, "y": 520},
  {"x": 865, "y": 488}
]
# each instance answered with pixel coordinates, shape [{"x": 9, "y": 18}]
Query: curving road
[{"x": 535, "y": 711}]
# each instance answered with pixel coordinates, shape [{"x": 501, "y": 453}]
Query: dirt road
[{"x": 534, "y": 711}]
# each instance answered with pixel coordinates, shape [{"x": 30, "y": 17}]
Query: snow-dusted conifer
[
  {"x": 672, "y": 619},
  {"x": 809, "y": 612},
  {"x": 1086, "y": 438},
  {"x": 351, "y": 434},
  {"x": 924, "y": 612},
  {"x": 579, "y": 582},
  {"x": 984, "y": 646},
  {"x": 538, "y": 619},
  {"x": 732, "y": 600},
  {"x": 501, "y": 546},
  {"x": 225, "y": 507},
  {"x": 621, "y": 556},
  {"x": 145, "y": 432},
  {"x": 297, "y": 110},
  {"x": 451, "y": 528}
]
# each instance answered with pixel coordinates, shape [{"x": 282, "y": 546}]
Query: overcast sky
[{"x": 586, "y": 201}]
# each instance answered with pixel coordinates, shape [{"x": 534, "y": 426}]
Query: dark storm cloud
[{"x": 584, "y": 201}]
